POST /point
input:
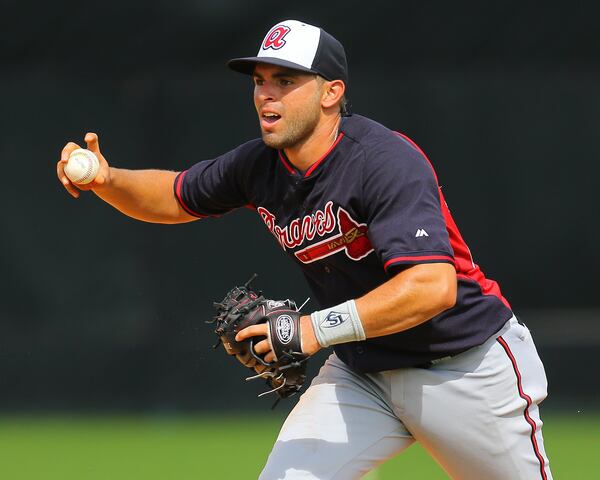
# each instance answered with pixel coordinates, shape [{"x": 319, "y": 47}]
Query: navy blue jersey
[{"x": 369, "y": 207}]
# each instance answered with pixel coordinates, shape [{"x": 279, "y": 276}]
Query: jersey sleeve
[
  {"x": 217, "y": 186},
  {"x": 403, "y": 206}
]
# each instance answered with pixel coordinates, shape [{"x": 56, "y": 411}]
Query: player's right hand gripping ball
[
  {"x": 243, "y": 307},
  {"x": 82, "y": 167}
]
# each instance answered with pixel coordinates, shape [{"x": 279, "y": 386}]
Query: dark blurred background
[{"x": 101, "y": 312}]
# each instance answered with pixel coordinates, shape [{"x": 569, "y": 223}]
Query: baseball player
[{"x": 425, "y": 347}]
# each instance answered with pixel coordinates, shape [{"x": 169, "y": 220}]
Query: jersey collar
[{"x": 294, "y": 171}]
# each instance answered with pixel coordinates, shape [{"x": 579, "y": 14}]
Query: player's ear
[{"x": 333, "y": 93}]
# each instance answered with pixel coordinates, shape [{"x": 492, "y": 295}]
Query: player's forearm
[
  {"x": 145, "y": 195},
  {"x": 412, "y": 297},
  {"x": 408, "y": 299}
]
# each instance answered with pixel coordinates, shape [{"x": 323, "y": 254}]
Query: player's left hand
[
  {"x": 266, "y": 336},
  {"x": 264, "y": 348}
]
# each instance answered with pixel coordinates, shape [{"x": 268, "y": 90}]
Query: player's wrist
[
  {"x": 339, "y": 324},
  {"x": 308, "y": 340}
]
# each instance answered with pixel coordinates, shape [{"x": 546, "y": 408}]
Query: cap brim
[{"x": 247, "y": 64}]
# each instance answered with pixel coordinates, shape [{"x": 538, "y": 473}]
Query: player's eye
[
  {"x": 258, "y": 81},
  {"x": 284, "y": 82}
]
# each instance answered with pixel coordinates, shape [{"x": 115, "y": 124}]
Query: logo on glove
[
  {"x": 273, "y": 304},
  {"x": 334, "y": 319},
  {"x": 284, "y": 326}
]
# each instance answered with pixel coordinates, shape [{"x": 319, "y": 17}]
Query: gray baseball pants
[{"x": 475, "y": 413}]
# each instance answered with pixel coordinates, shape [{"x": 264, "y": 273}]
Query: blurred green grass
[{"x": 219, "y": 446}]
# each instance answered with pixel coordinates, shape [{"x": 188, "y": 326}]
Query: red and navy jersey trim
[
  {"x": 286, "y": 163},
  {"x": 290, "y": 168},
  {"x": 528, "y": 403},
  {"x": 411, "y": 259},
  {"x": 178, "y": 185},
  {"x": 320, "y": 160}
]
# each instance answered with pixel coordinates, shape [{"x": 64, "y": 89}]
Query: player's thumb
[
  {"x": 92, "y": 142},
  {"x": 92, "y": 145}
]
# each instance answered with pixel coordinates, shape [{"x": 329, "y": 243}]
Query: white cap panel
[{"x": 293, "y": 41}]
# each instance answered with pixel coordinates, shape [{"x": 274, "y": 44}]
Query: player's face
[{"x": 288, "y": 104}]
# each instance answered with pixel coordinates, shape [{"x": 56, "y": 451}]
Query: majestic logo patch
[
  {"x": 284, "y": 326},
  {"x": 334, "y": 319},
  {"x": 352, "y": 237},
  {"x": 275, "y": 38}
]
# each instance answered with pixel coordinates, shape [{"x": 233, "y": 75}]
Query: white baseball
[{"x": 82, "y": 166}]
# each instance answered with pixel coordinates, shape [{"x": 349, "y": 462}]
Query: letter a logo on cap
[{"x": 275, "y": 38}]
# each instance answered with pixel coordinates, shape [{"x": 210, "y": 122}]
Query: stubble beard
[{"x": 297, "y": 130}]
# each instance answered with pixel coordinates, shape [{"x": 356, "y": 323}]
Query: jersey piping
[
  {"x": 420, "y": 259},
  {"x": 178, "y": 183},
  {"x": 528, "y": 403}
]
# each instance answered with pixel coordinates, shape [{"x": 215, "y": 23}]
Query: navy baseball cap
[{"x": 298, "y": 46}]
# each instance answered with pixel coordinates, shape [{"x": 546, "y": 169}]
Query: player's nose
[{"x": 264, "y": 92}]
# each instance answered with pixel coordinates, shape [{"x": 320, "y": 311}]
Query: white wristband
[{"x": 339, "y": 324}]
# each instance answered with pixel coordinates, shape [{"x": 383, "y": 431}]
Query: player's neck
[{"x": 311, "y": 150}]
